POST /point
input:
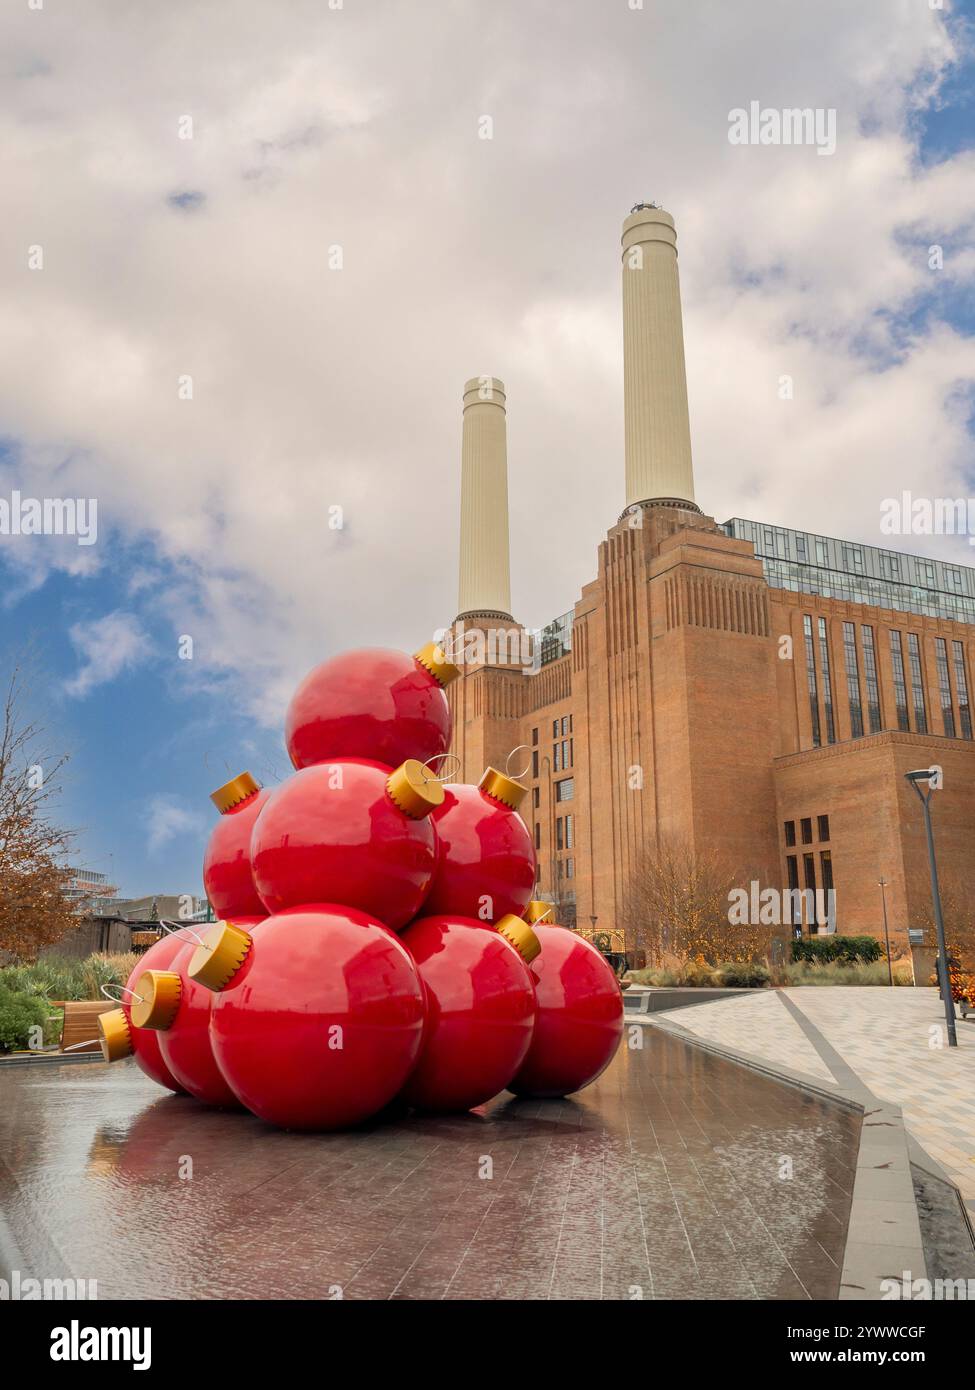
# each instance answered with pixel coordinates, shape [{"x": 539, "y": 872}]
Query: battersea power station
[{"x": 738, "y": 687}]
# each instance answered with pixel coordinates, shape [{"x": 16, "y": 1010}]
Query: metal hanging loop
[{"x": 517, "y": 776}]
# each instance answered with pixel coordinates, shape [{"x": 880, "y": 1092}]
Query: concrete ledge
[
  {"x": 40, "y": 1059},
  {"x": 653, "y": 998}
]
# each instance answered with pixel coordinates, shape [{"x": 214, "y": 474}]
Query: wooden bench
[{"x": 81, "y": 1022}]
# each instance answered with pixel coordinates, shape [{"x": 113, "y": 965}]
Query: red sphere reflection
[
  {"x": 374, "y": 703},
  {"x": 485, "y": 855},
  {"x": 580, "y": 1016},
  {"x": 322, "y": 1023},
  {"x": 333, "y": 833},
  {"x": 480, "y": 1012}
]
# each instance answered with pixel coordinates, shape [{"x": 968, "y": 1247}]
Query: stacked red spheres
[{"x": 372, "y": 944}]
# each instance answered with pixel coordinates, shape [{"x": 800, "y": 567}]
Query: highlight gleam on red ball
[
  {"x": 580, "y": 1016},
  {"x": 321, "y": 1023},
  {"x": 480, "y": 1012},
  {"x": 372, "y": 703},
  {"x": 349, "y": 831}
]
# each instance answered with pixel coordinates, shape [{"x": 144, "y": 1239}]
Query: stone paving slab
[
  {"x": 662, "y": 1180},
  {"x": 757, "y": 1024}
]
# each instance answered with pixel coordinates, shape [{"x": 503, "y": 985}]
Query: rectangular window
[
  {"x": 556, "y": 765},
  {"x": 565, "y": 753},
  {"x": 801, "y": 550},
  {"x": 572, "y": 756},
  {"x": 806, "y": 825},
  {"x": 534, "y": 736},
  {"x": 964, "y": 708},
  {"x": 917, "y": 682},
  {"x": 827, "y": 682},
  {"x": 535, "y": 798},
  {"x": 852, "y": 557},
  {"x": 824, "y": 827},
  {"x": 535, "y": 764},
  {"x": 569, "y": 842},
  {"x": 565, "y": 790},
  {"x": 555, "y": 728},
  {"x": 870, "y": 675},
  {"x": 822, "y": 551},
  {"x": 811, "y": 679},
  {"x": 790, "y": 832},
  {"x": 890, "y": 565},
  {"x": 559, "y": 840},
  {"x": 565, "y": 725},
  {"x": 953, "y": 578},
  {"x": 570, "y": 866},
  {"x": 926, "y": 572},
  {"x": 792, "y": 869},
  {"x": 900, "y": 687},
  {"x": 538, "y": 835},
  {"x": 809, "y": 870},
  {"x": 826, "y": 869},
  {"x": 852, "y": 679},
  {"x": 944, "y": 687}
]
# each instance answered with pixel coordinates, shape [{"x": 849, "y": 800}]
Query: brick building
[{"x": 753, "y": 688}]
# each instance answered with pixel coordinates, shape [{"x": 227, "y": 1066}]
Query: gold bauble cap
[
  {"x": 220, "y": 954},
  {"x": 503, "y": 788},
  {"x": 114, "y": 1036},
  {"x": 521, "y": 936},
  {"x": 538, "y": 910},
  {"x": 158, "y": 993},
  {"x": 432, "y": 658},
  {"x": 414, "y": 789},
  {"x": 235, "y": 791}
]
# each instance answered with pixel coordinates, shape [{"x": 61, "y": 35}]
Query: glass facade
[
  {"x": 944, "y": 687},
  {"x": 827, "y": 682},
  {"x": 900, "y": 684},
  {"x": 870, "y": 672},
  {"x": 811, "y": 679},
  {"x": 852, "y": 679},
  {"x": 961, "y": 683},
  {"x": 810, "y": 564},
  {"x": 917, "y": 683},
  {"x": 556, "y": 638}
]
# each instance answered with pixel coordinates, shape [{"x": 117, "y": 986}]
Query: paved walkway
[
  {"x": 665, "y": 1179},
  {"x": 892, "y": 1039}
]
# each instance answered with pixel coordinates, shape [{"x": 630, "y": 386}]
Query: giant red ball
[
  {"x": 227, "y": 877},
  {"x": 480, "y": 1012},
  {"x": 485, "y": 857},
  {"x": 372, "y": 703},
  {"x": 145, "y": 1041},
  {"x": 333, "y": 833},
  {"x": 322, "y": 1023},
  {"x": 580, "y": 1016}
]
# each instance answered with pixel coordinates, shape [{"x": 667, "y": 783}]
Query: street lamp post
[
  {"x": 883, "y": 899},
  {"x": 931, "y": 776}
]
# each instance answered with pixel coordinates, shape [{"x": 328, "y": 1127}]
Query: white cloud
[
  {"x": 358, "y": 127},
  {"x": 106, "y": 647},
  {"x": 167, "y": 819}
]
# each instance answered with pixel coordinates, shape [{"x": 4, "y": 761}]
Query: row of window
[
  {"x": 564, "y": 834},
  {"x": 563, "y": 756},
  {"x": 863, "y": 694},
  {"x": 809, "y": 873},
  {"x": 805, "y": 830}
]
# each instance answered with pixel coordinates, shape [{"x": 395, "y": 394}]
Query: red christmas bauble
[
  {"x": 179, "y": 1009},
  {"x": 373, "y": 703},
  {"x": 580, "y": 1016},
  {"x": 121, "y": 1038},
  {"x": 227, "y": 877},
  {"x": 485, "y": 855},
  {"x": 351, "y": 832},
  {"x": 480, "y": 1012},
  {"x": 321, "y": 1023}
]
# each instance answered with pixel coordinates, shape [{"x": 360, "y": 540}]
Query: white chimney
[{"x": 485, "y": 581}]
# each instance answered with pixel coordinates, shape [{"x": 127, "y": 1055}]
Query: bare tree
[
  {"x": 677, "y": 904},
  {"x": 35, "y": 909}
]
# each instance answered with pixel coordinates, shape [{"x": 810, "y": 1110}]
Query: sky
[{"x": 250, "y": 253}]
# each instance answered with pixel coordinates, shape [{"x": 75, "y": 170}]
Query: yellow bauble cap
[
  {"x": 432, "y": 658},
  {"x": 114, "y": 1036},
  {"x": 502, "y": 788},
  {"x": 235, "y": 791},
  {"x": 414, "y": 789},
  {"x": 219, "y": 956},
  {"x": 521, "y": 936},
  {"x": 538, "y": 910},
  {"x": 158, "y": 993}
]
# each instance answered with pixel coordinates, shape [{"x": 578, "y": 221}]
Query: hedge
[{"x": 827, "y": 948}]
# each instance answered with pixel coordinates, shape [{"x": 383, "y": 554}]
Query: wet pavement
[{"x": 676, "y": 1175}]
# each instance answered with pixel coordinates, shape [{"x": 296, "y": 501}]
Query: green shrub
[
  {"x": 19, "y": 1013},
  {"x": 58, "y": 977},
  {"x": 828, "y": 948},
  {"x": 742, "y": 974}
]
